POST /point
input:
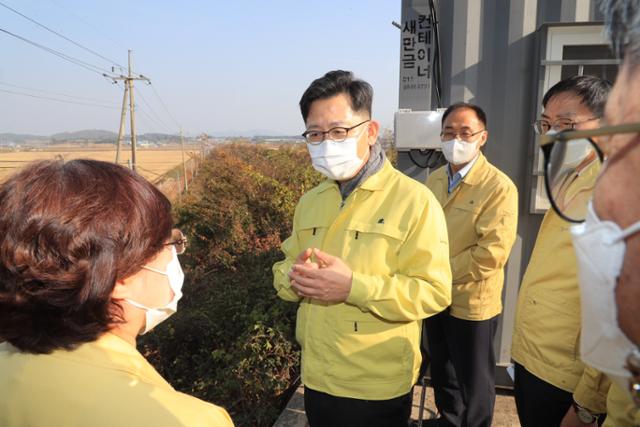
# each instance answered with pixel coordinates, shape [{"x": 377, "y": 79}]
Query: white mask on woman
[
  {"x": 155, "y": 316},
  {"x": 600, "y": 248}
]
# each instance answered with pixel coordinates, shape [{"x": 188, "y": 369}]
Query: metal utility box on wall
[{"x": 417, "y": 130}]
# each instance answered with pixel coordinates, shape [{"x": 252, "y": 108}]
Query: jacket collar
[
  {"x": 476, "y": 173},
  {"x": 112, "y": 352},
  {"x": 374, "y": 183}
]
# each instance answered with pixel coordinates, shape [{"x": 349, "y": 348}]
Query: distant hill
[
  {"x": 109, "y": 137},
  {"x": 18, "y": 138},
  {"x": 81, "y": 136},
  {"x": 84, "y": 135},
  {"x": 157, "y": 137},
  {"x": 247, "y": 133}
]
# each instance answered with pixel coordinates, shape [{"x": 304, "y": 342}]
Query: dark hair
[
  {"x": 459, "y": 105},
  {"x": 622, "y": 25},
  {"x": 336, "y": 82},
  {"x": 591, "y": 90},
  {"x": 68, "y": 231}
]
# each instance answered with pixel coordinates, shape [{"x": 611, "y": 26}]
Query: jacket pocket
[
  {"x": 552, "y": 329},
  {"x": 372, "y": 248},
  {"x": 311, "y": 236},
  {"x": 371, "y": 351},
  {"x": 472, "y": 205}
]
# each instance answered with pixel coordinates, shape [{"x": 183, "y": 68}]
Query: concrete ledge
[
  {"x": 504, "y": 414},
  {"x": 293, "y": 415}
]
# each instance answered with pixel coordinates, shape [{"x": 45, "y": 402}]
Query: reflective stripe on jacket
[
  {"x": 391, "y": 232},
  {"x": 482, "y": 220}
]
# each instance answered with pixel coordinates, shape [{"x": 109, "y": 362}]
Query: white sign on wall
[{"x": 416, "y": 55}]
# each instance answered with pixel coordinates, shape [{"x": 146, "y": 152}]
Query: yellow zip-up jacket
[
  {"x": 547, "y": 329},
  {"x": 391, "y": 232},
  {"x": 482, "y": 220},
  {"x": 104, "y": 383}
]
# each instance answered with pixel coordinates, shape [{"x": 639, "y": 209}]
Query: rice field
[{"x": 152, "y": 163}]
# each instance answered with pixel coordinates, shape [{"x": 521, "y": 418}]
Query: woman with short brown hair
[{"x": 88, "y": 261}]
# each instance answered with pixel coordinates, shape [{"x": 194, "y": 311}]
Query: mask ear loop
[
  {"x": 155, "y": 270},
  {"x": 140, "y": 306},
  {"x": 629, "y": 231}
]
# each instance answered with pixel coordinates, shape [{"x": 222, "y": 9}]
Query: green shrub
[{"x": 232, "y": 340}]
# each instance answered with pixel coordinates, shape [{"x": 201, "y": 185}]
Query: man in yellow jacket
[
  {"x": 607, "y": 244},
  {"x": 366, "y": 262},
  {"x": 481, "y": 207},
  {"x": 551, "y": 382}
]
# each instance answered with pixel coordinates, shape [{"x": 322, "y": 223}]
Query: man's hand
[
  {"x": 304, "y": 257},
  {"x": 571, "y": 420},
  {"x": 328, "y": 279}
]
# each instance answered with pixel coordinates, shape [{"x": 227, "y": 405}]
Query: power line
[
  {"x": 88, "y": 24},
  {"x": 60, "y": 35},
  {"x": 54, "y": 93},
  {"x": 150, "y": 108},
  {"x": 57, "y": 100},
  {"x": 90, "y": 67},
  {"x": 159, "y": 175},
  {"x": 151, "y": 118},
  {"x": 164, "y": 105},
  {"x": 159, "y": 122},
  {"x": 164, "y": 125}
]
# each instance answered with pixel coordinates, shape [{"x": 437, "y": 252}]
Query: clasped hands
[{"x": 327, "y": 279}]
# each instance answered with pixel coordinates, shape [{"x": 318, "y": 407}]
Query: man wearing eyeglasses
[
  {"x": 366, "y": 261},
  {"x": 552, "y": 386},
  {"x": 481, "y": 207},
  {"x": 607, "y": 240}
]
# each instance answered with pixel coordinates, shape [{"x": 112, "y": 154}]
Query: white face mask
[
  {"x": 155, "y": 316},
  {"x": 600, "y": 249},
  {"x": 457, "y": 151},
  {"x": 336, "y": 160},
  {"x": 574, "y": 153}
]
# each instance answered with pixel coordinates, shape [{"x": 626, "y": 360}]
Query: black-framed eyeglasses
[
  {"x": 178, "y": 240},
  {"x": 465, "y": 135},
  {"x": 543, "y": 126},
  {"x": 572, "y": 162},
  {"x": 337, "y": 134}
]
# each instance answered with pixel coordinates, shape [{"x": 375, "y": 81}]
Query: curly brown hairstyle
[{"x": 68, "y": 231}]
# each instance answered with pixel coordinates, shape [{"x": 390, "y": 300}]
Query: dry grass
[{"x": 152, "y": 163}]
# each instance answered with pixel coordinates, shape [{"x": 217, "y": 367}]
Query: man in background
[
  {"x": 481, "y": 207},
  {"x": 608, "y": 243},
  {"x": 551, "y": 383}
]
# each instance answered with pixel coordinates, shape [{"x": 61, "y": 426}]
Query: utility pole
[
  {"x": 132, "y": 116},
  {"x": 179, "y": 187},
  {"x": 122, "y": 118},
  {"x": 184, "y": 165},
  {"x": 128, "y": 87}
]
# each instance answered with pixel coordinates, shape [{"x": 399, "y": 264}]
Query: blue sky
[{"x": 219, "y": 66}]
